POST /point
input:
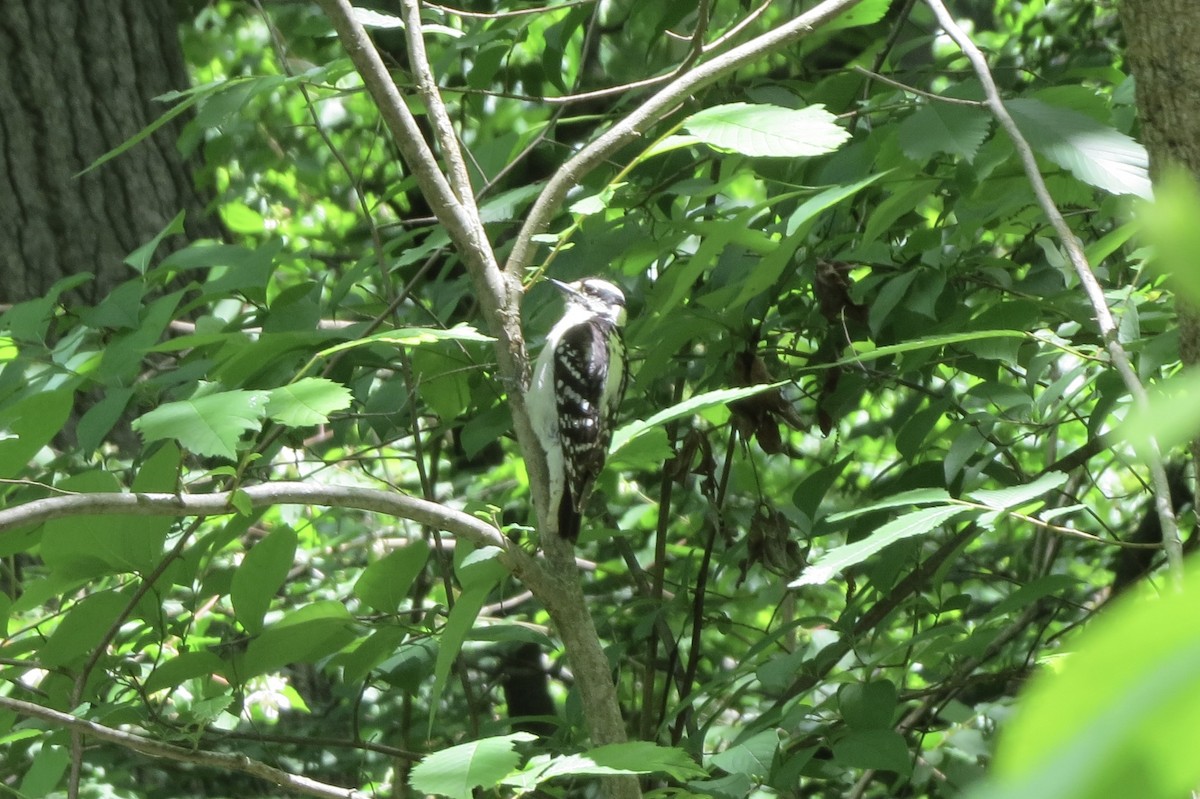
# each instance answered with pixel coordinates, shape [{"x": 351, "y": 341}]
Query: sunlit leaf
[
  {"x": 1096, "y": 154},
  {"x": 768, "y": 130},
  {"x": 457, "y": 771},
  {"x": 207, "y": 425},
  {"x": 307, "y": 402},
  {"x": 912, "y": 524}
]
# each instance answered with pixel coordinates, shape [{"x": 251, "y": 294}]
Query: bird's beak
[{"x": 565, "y": 288}]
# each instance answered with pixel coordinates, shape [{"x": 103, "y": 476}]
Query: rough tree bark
[
  {"x": 1165, "y": 62},
  {"x": 77, "y": 79}
]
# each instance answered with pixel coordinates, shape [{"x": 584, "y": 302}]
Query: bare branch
[
  {"x": 1087, "y": 278},
  {"x": 499, "y": 297},
  {"x": 630, "y": 127},
  {"x": 391, "y": 503},
  {"x": 443, "y": 128},
  {"x": 156, "y": 748}
]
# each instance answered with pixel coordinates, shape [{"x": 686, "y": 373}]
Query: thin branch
[
  {"x": 523, "y": 12},
  {"x": 1087, "y": 278},
  {"x": 904, "y": 87},
  {"x": 221, "y": 503},
  {"x": 443, "y": 128},
  {"x": 157, "y": 748},
  {"x": 654, "y": 109}
]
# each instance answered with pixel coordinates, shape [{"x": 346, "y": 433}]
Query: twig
[
  {"x": 156, "y": 748},
  {"x": 904, "y": 87},
  {"x": 1087, "y": 278}
]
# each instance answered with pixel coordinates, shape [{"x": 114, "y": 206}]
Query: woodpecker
[{"x": 578, "y": 383}]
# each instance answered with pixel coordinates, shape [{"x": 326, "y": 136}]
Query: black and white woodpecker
[{"x": 578, "y": 383}]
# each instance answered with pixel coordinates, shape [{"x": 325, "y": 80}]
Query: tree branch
[
  {"x": 649, "y": 113},
  {"x": 156, "y": 748},
  {"x": 454, "y": 206},
  {"x": 391, "y": 503},
  {"x": 1087, "y": 278}
]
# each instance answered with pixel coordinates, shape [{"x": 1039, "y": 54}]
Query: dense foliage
[{"x": 832, "y": 587}]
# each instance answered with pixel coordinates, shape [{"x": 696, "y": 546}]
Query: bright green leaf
[
  {"x": 207, "y": 425},
  {"x": 457, "y": 771},
  {"x": 911, "y": 524},
  {"x": 768, "y": 130},
  {"x": 1096, "y": 154},
  {"x": 307, "y": 402},
  {"x": 1118, "y": 716}
]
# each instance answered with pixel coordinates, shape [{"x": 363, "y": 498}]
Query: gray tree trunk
[{"x": 77, "y": 78}]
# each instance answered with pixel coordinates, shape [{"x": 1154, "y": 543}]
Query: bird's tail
[{"x": 569, "y": 519}]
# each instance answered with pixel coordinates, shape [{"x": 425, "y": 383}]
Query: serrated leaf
[
  {"x": 307, "y": 402},
  {"x": 640, "y": 757},
  {"x": 910, "y": 524},
  {"x": 457, "y": 771},
  {"x": 1096, "y": 154},
  {"x": 768, "y": 130},
  {"x": 1005, "y": 498},
  {"x": 943, "y": 128},
  {"x": 206, "y": 425}
]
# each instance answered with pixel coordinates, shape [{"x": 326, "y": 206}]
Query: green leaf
[
  {"x": 45, "y": 772},
  {"x": 1118, "y": 716},
  {"x": 28, "y": 426},
  {"x": 139, "y": 259},
  {"x": 461, "y": 619},
  {"x": 457, "y": 771},
  {"x": 866, "y": 12},
  {"x": 385, "y": 583},
  {"x": 911, "y": 524},
  {"x": 210, "y": 424},
  {"x": 82, "y": 628},
  {"x": 957, "y": 130},
  {"x": 1171, "y": 417},
  {"x": 142, "y": 134},
  {"x": 1005, "y": 498},
  {"x": 91, "y": 546},
  {"x": 882, "y": 750},
  {"x": 868, "y": 706},
  {"x": 1169, "y": 223},
  {"x": 632, "y": 757},
  {"x": 305, "y": 635},
  {"x": 917, "y": 496},
  {"x": 768, "y": 130},
  {"x": 1096, "y": 154},
  {"x": 688, "y": 407},
  {"x": 307, "y": 402},
  {"x": 752, "y": 756},
  {"x": 260, "y": 576},
  {"x": 181, "y": 668},
  {"x": 411, "y": 337}
]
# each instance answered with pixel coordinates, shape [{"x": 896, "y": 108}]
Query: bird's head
[{"x": 595, "y": 296}]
